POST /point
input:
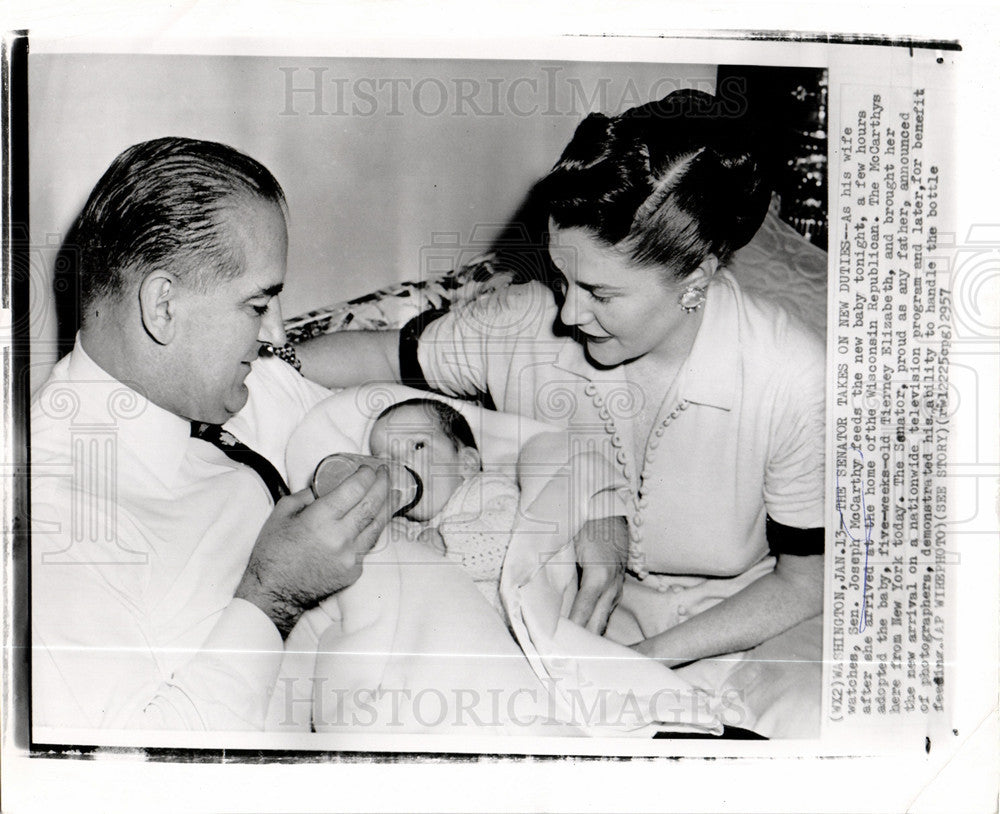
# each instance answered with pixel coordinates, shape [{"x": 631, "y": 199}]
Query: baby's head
[{"x": 435, "y": 441}]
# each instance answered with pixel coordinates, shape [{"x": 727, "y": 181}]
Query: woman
[{"x": 712, "y": 403}]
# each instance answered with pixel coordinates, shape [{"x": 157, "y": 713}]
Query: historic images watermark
[
  {"x": 550, "y": 91},
  {"x": 331, "y": 706}
]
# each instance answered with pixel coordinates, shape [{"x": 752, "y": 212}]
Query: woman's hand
[{"x": 601, "y": 552}]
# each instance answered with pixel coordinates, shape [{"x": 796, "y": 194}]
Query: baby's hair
[{"x": 450, "y": 420}]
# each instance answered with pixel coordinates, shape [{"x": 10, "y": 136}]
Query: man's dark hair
[
  {"x": 159, "y": 204},
  {"x": 668, "y": 182},
  {"x": 450, "y": 420}
]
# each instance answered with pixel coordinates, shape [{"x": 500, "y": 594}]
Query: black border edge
[
  {"x": 16, "y": 264},
  {"x": 805, "y": 37}
]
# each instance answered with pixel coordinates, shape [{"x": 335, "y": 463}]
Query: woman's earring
[{"x": 691, "y": 299}]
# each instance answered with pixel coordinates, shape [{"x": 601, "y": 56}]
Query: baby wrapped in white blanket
[
  {"x": 459, "y": 510},
  {"x": 414, "y": 647}
]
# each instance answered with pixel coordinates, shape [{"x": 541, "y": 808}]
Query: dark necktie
[{"x": 241, "y": 453}]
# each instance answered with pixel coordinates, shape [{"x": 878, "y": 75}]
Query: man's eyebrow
[{"x": 270, "y": 291}]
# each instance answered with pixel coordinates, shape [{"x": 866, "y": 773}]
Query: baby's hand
[{"x": 432, "y": 538}]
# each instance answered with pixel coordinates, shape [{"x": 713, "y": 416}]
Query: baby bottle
[{"x": 335, "y": 469}]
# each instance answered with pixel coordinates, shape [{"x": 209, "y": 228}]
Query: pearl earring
[{"x": 691, "y": 299}]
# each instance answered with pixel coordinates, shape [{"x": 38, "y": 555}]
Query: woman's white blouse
[{"x": 748, "y": 444}]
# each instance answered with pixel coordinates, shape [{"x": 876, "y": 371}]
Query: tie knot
[
  {"x": 214, "y": 434},
  {"x": 207, "y": 432}
]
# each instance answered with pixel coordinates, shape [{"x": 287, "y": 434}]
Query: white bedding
[{"x": 413, "y": 646}]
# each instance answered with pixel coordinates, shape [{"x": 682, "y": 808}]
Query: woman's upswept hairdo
[
  {"x": 669, "y": 182},
  {"x": 160, "y": 203}
]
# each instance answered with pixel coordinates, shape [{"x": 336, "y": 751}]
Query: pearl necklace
[{"x": 636, "y": 554}]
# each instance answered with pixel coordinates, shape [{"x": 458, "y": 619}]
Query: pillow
[{"x": 780, "y": 265}]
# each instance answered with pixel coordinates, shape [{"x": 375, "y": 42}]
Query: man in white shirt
[{"x": 164, "y": 575}]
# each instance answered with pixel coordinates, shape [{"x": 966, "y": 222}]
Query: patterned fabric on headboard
[{"x": 386, "y": 308}]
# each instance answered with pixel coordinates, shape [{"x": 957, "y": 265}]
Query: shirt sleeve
[
  {"x": 98, "y": 654},
  {"x": 468, "y": 351},
  {"x": 410, "y": 372},
  {"x": 793, "y": 480}
]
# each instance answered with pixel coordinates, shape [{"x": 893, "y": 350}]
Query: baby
[{"x": 467, "y": 514}]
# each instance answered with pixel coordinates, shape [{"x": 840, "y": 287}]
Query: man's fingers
[
  {"x": 296, "y": 501},
  {"x": 372, "y": 506},
  {"x": 345, "y": 497},
  {"x": 369, "y": 536}
]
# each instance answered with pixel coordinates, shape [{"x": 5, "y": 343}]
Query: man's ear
[
  {"x": 470, "y": 460},
  {"x": 702, "y": 275},
  {"x": 157, "y": 305}
]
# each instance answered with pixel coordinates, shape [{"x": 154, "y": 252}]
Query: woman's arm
[
  {"x": 349, "y": 358},
  {"x": 790, "y": 594}
]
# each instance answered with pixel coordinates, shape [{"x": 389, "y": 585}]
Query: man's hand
[
  {"x": 601, "y": 553},
  {"x": 309, "y": 549}
]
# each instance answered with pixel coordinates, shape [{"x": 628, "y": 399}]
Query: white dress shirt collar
[{"x": 141, "y": 424}]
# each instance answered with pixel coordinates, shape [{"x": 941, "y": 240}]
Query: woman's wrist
[
  {"x": 668, "y": 649},
  {"x": 654, "y": 648}
]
